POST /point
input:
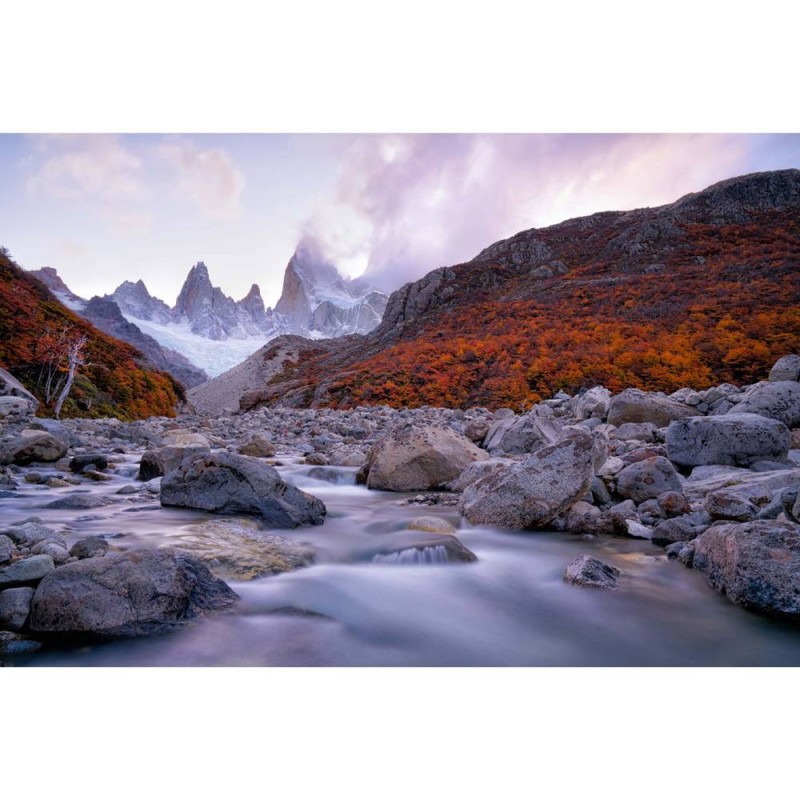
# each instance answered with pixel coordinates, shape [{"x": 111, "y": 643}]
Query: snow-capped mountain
[{"x": 135, "y": 301}]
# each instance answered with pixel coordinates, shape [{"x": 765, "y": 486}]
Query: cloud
[
  {"x": 406, "y": 204},
  {"x": 86, "y": 167},
  {"x": 209, "y": 178}
]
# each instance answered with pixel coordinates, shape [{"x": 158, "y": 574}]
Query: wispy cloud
[{"x": 209, "y": 178}]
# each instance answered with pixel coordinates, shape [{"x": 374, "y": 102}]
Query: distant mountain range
[
  {"x": 206, "y": 332},
  {"x": 706, "y": 288}
]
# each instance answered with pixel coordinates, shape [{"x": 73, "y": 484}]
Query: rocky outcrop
[
  {"x": 754, "y": 564},
  {"x": 415, "y": 458},
  {"x": 134, "y": 300},
  {"x": 732, "y": 439},
  {"x": 225, "y": 483},
  {"x": 532, "y": 492},
  {"x": 126, "y": 594}
]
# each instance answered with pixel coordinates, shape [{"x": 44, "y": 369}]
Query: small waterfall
[{"x": 414, "y": 555}]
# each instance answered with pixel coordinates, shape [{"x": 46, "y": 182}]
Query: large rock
[
  {"x": 258, "y": 445},
  {"x": 591, "y": 404},
  {"x": 786, "y": 369},
  {"x": 730, "y": 439},
  {"x": 33, "y": 445},
  {"x": 15, "y": 606},
  {"x": 587, "y": 570},
  {"x": 778, "y": 400},
  {"x": 419, "y": 458},
  {"x": 16, "y": 407},
  {"x": 532, "y": 492},
  {"x": 26, "y": 571},
  {"x": 634, "y": 405},
  {"x": 161, "y": 460},
  {"x": 646, "y": 480},
  {"x": 418, "y": 547},
  {"x": 11, "y": 387},
  {"x": 126, "y": 594},
  {"x": 755, "y": 564},
  {"x": 524, "y": 434},
  {"x": 226, "y": 483}
]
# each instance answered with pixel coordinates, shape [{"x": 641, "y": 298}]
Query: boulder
[
  {"x": 417, "y": 547},
  {"x": 728, "y": 439},
  {"x": 634, "y": 405},
  {"x": 587, "y": 570},
  {"x": 476, "y": 470},
  {"x": 532, "y": 492},
  {"x": 126, "y": 594},
  {"x": 778, "y": 400},
  {"x": 161, "y": 460},
  {"x": 95, "y": 461},
  {"x": 418, "y": 458},
  {"x": 11, "y": 387},
  {"x": 786, "y": 369},
  {"x": 15, "y": 606},
  {"x": 257, "y": 445},
  {"x": 754, "y": 564},
  {"x": 476, "y": 429},
  {"x": 524, "y": 434},
  {"x": 16, "y": 407},
  {"x": 81, "y": 501},
  {"x": 430, "y": 525},
  {"x": 226, "y": 483},
  {"x": 646, "y": 480},
  {"x": 730, "y": 506},
  {"x": 26, "y": 571},
  {"x": 591, "y": 404},
  {"x": 91, "y": 547},
  {"x": 636, "y": 431},
  {"x": 33, "y": 446},
  {"x": 7, "y": 550},
  {"x": 677, "y": 529},
  {"x": 673, "y": 504}
]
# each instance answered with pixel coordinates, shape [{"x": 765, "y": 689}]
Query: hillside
[
  {"x": 703, "y": 290},
  {"x": 115, "y": 381}
]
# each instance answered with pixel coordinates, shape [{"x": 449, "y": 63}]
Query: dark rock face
[
  {"x": 126, "y": 594},
  {"x": 225, "y": 483},
  {"x": 727, "y": 439},
  {"x": 587, "y": 570},
  {"x": 754, "y": 564}
]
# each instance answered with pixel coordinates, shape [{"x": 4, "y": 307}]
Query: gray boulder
[
  {"x": 646, "y": 480},
  {"x": 634, "y": 405},
  {"x": 524, "y": 434},
  {"x": 6, "y": 550},
  {"x": 778, "y": 400},
  {"x": 786, "y": 369},
  {"x": 226, "y": 483},
  {"x": 477, "y": 470},
  {"x": 419, "y": 458},
  {"x": 33, "y": 445},
  {"x": 591, "y": 404},
  {"x": 11, "y": 387},
  {"x": 91, "y": 547},
  {"x": 257, "y": 445},
  {"x": 15, "y": 407},
  {"x": 161, "y": 460},
  {"x": 126, "y": 594},
  {"x": 587, "y": 570},
  {"x": 730, "y": 506},
  {"x": 728, "y": 439},
  {"x": 532, "y": 492},
  {"x": 84, "y": 461},
  {"x": 754, "y": 564},
  {"x": 26, "y": 571},
  {"x": 15, "y": 606}
]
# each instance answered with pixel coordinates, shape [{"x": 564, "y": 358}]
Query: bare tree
[{"x": 75, "y": 358}]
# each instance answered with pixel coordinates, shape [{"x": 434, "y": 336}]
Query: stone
[
  {"x": 430, "y": 525},
  {"x": 56, "y": 550},
  {"x": 11, "y": 387},
  {"x": 476, "y": 429},
  {"x": 417, "y": 547},
  {"x": 239, "y": 550},
  {"x": 646, "y": 480},
  {"x": 524, "y": 434},
  {"x": 257, "y": 445},
  {"x": 636, "y": 431},
  {"x": 84, "y": 461},
  {"x": 476, "y": 470},
  {"x": 610, "y": 467},
  {"x": 634, "y": 405},
  {"x": 135, "y": 593},
  {"x": 15, "y": 606},
  {"x": 786, "y": 369},
  {"x": 754, "y": 564},
  {"x": 91, "y": 547},
  {"x": 673, "y": 504},
  {"x": 587, "y": 570},
  {"x": 534, "y": 491},
  {"x": 159, "y": 461},
  {"x": 729, "y": 439},
  {"x": 15, "y": 644},
  {"x": 677, "y": 529},
  {"x": 729, "y": 506},
  {"x": 227, "y": 483},
  {"x": 25, "y": 571},
  {"x": 779, "y": 400},
  {"x": 591, "y": 404},
  {"x": 7, "y": 550},
  {"x": 80, "y": 501},
  {"x": 15, "y": 407},
  {"x": 419, "y": 458},
  {"x": 33, "y": 446}
]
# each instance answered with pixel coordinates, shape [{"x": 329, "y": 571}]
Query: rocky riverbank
[{"x": 710, "y": 475}]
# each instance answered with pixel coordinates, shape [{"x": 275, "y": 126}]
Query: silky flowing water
[{"x": 410, "y": 609}]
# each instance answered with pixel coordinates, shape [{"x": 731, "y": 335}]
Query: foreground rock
[
  {"x": 419, "y": 458},
  {"x": 778, "y": 400},
  {"x": 786, "y": 369},
  {"x": 32, "y": 446},
  {"x": 161, "y": 460},
  {"x": 414, "y": 547},
  {"x": 226, "y": 483},
  {"x": 126, "y": 594},
  {"x": 754, "y": 564},
  {"x": 587, "y": 570},
  {"x": 648, "y": 479},
  {"x": 532, "y": 492},
  {"x": 728, "y": 439}
]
